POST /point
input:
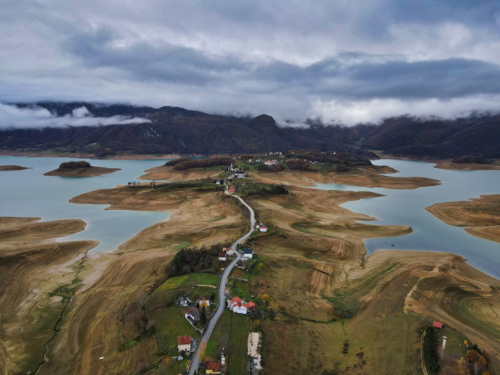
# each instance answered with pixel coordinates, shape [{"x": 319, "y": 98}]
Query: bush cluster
[
  {"x": 194, "y": 260},
  {"x": 74, "y": 165},
  {"x": 203, "y": 163}
]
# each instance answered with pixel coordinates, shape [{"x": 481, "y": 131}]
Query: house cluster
[
  {"x": 193, "y": 313},
  {"x": 240, "y": 307},
  {"x": 226, "y": 252},
  {"x": 271, "y": 162}
]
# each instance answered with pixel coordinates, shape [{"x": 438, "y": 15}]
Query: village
[{"x": 198, "y": 310}]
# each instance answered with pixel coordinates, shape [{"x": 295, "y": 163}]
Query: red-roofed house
[
  {"x": 222, "y": 257},
  {"x": 263, "y": 228},
  {"x": 213, "y": 367},
  {"x": 251, "y": 306},
  {"x": 437, "y": 324},
  {"x": 184, "y": 343}
]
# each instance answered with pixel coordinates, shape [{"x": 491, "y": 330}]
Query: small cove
[
  {"x": 28, "y": 193},
  {"x": 407, "y": 207}
]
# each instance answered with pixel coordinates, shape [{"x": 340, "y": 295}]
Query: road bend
[{"x": 195, "y": 364}]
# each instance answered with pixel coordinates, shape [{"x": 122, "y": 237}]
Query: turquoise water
[
  {"x": 407, "y": 207},
  {"x": 30, "y": 193}
]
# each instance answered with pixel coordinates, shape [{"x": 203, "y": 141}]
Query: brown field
[
  {"x": 168, "y": 173},
  {"x": 466, "y": 166},
  {"x": 368, "y": 176},
  {"x": 11, "y": 168},
  {"x": 81, "y": 172},
  {"x": 481, "y": 215}
]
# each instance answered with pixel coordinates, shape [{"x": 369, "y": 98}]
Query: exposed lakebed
[
  {"x": 28, "y": 193},
  {"x": 407, "y": 207}
]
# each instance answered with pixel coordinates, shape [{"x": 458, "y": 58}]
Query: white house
[
  {"x": 184, "y": 343},
  {"x": 222, "y": 257},
  {"x": 229, "y": 252},
  {"x": 263, "y": 228},
  {"x": 247, "y": 254}
]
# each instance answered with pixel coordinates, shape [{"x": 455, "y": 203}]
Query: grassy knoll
[{"x": 170, "y": 323}]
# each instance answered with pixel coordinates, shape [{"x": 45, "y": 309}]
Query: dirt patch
[
  {"x": 81, "y": 172},
  {"x": 11, "y": 168},
  {"x": 466, "y": 166},
  {"x": 481, "y": 215}
]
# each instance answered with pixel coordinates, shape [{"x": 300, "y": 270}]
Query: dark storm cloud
[
  {"x": 339, "y": 77},
  {"x": 287, "y": 58}
]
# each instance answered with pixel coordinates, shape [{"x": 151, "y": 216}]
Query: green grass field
[
  {"x": 170, "y": 323},
  {"x": 237, "y": 360}
]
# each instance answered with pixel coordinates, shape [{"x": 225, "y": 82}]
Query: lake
[
  {"x": 28, "y": 193},
  {"x": 407, "y": 207}
]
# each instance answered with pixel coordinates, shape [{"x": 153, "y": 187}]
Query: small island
[
  {"x": 79, "y": 169},
  {"x": 4, "y": 168}
]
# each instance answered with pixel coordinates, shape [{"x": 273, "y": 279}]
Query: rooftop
[
  {"x": 214, "y": 366},
  {"x": 184, "y": 340}
]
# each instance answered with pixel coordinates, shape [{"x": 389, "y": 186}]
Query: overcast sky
[{"x": 347, "y": 61}]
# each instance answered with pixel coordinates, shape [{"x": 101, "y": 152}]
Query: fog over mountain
[{"x": 343, "y": 61}]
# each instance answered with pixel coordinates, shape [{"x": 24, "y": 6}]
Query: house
[
  {"x": 183, "y": 301},
  {"x": 241, "y": 309},
  {"x": 229, "y": 252},
  {"x": 247, "y": 254},
  {"x": 212, "y": 367},
  {"x": 233, "y": 302},
  {"x": 217, "y": 182},
  {"x": 184, "y": 343},
  {"x": 192, "y": 314},
  {"x": 240, "y": 265},
  {"x": 271, "y": 162},
  {"x": 222, "y": 257},
  {"x": 437, "y": 324},
  {"x": 251, "y": 306},
  {"x": 263, "y": 228},
  {"x": 204, "y": 301},
  {"x": 232, "y": 189}
]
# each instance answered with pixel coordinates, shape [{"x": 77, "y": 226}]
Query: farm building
[
  {"x": 247, "y": 254},
  {"x": 184, "y": 343},
  {"x": 204, "y": 301},
  {"x": 192, "y": 314},
  {"x": 437, "y": 324},
  {"x": 212, "y": 367}
]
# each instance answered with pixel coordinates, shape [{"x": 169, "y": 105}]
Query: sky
[{"x": 344, "y": 61}]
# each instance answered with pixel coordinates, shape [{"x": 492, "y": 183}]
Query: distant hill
[
  {"x": 178, "y": 130},
  {"x": 174, "y": 130},
  {"x": 408, "y": 136}
]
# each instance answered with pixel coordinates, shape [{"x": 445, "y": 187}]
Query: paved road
[{"x": 222, "y": 294}]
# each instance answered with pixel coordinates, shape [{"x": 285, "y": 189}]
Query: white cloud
[
  {"x": 12, "y": 116},
  {"x": 376, "y": 110}
]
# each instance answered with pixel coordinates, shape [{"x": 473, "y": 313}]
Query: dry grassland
[{"x": 99, "y": 321}]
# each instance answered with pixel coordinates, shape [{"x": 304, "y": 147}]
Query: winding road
[{"x": 222, "y": 293}]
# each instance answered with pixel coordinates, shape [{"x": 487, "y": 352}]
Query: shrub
[{"x": 74, "y": 165}]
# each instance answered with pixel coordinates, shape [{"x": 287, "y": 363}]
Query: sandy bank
[
  {"x": 466, "y": 166},
  {"x": 32, "y": 266},
  {"x": 81, "y": 172},
  {"x": 168, "y": 173},
  {"x": 481, "y": 215},
  {"x": 4, "y": 168}
]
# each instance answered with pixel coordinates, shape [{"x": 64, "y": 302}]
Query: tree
[
  {"x": 266, "y": 297},
  {"x": 477, "y": 361},
  {"x": 203, "y": 316},
  {"x": 212, "y": 296}
]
